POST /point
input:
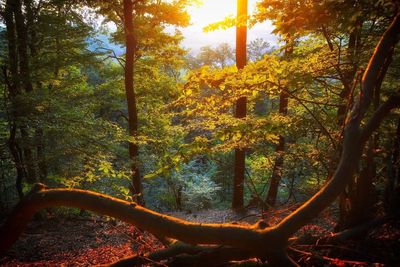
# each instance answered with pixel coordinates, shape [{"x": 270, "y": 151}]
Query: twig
[{"x": 324, "y": 258}]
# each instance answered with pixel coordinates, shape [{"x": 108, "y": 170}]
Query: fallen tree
[{"x": 216, "y": 243}]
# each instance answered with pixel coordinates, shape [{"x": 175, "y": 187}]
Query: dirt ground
[{"x": 94, "y": 240}]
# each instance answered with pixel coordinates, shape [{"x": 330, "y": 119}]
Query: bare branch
[
  {"x": 113, "y": 55},
  {"x": 379, "y": 115},
  {"x": 324, "y": 130}
]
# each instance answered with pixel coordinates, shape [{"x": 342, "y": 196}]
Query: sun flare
[{"x": 211, "y": 11}]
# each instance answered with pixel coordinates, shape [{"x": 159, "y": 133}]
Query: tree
[
  {"x": 240, "y": 242},
  {"x": 130, "y": 97},
  {"x": 14, "y": 90},
  {"x": 257, "y": 49},
  {"x": 277, "y": 171},
  {"x": 57, "y": 37},
  {"x": 241, "y": 106},
  {"x": 140, "y": 18},
  {"x": 19, "y": 82},
  {"x": 219, "y": 57},
  {"x": 345, "y": 29},
  {"x": 224, "y": 55}
]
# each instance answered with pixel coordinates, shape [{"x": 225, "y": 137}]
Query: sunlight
[{"x": 210, "y": 11}]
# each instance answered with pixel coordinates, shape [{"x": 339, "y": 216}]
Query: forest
[{"x": 121, "y": 146}]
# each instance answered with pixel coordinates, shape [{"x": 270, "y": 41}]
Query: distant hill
[{"x": 101, "y": 42}]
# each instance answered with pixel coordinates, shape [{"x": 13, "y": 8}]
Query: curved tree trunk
[{"x": 349, "y": 80}]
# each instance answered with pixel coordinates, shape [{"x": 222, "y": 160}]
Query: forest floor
[{"x": 93, "y": 240}]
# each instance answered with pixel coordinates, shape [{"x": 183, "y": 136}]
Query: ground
[
  {"x": 93, "y": 240},
  {"x": 74, "y": 242}
]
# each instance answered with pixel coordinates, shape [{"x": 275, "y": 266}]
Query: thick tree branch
[
  {"x": 156, "y": 223},
  {"x": 376, "y": 67},
  {"x": 378, "y": 116}
]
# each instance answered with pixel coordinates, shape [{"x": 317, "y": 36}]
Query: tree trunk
[
  {"x": 279, "y": 150},
  {"x": 17, "y": 158},
  {"x": 40, "y": 151},
  {"x": 22, "y": 36},
  {"x": 356, "y": 206},
  {"x": 393, "y": 184},
  {"x": 348, "y": 82},
  {"x": 130, "y": 41},
  {"x": 362, "y": 196},
  {"x": 32, "y": 44},
  {"x": 178, "y": 198},
  {"x": 24, "y": 75},
  {"x": 13, "y": 90},
  {"x": 277, "y": 171},
  {"x": 241, "y": 106}
]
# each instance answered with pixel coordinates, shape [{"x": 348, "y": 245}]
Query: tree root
[
  {"x": 323, "y": 260},
  {"x": 352, "y": 232},
  {"x": 177, "y": 248},
  {"x": 181, "y": 254},
  {"x": 211, "y": 257}
]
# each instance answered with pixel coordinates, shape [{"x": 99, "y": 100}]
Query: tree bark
[
  {"x": 353, "y": 207},
  {"x": 362, "y": 195},
  {"x": 347, "y": 79},
  {"x": 25, "y": 77},
  {"x": 13, "y": 90},
  {"x": 361, "y": 198},
  {"x": 159, "y": 224},
  {"x": 32, "y": 44},
  {"x": 277, "y": 171},
  {"x": 241, "y": 106},
  {"x": 130, "y": 41},
  {"x": 22, "y": 36},
  {"x": 17, "y": 158},
  {"x": 393, "y": 184}
]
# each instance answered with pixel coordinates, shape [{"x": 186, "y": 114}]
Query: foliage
[{"x": 187, "y": 130}]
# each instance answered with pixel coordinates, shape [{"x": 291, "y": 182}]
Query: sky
[{"x": 211, "y": 11}]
